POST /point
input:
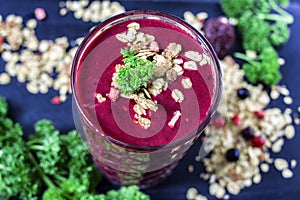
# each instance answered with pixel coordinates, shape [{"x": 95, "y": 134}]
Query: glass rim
[{"x": 217, "y": 72}]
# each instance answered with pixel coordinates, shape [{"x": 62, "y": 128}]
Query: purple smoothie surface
[{"x": 115, "y": 118}]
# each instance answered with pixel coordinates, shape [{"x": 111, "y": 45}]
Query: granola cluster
[{"x": 169, "y": 65}]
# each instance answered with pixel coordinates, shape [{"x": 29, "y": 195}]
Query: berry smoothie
[{"x": 145, "y": 85}]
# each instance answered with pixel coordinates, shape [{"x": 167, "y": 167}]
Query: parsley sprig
[
  {"x": 263, "y": 26},
  {"x": 136, "y": 73},
  {"x": 49, "y": 164}
]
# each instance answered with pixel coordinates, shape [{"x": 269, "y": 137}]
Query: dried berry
[
  {"x": 247, "y": 133},
  {"x": 243, "y": 93},
  {"x": 236, "y": 119},
  {"x": 232, "y": 155},
  {"x": 218, "y": 122},
  {"x": 40, "y": 14},
  {"x": 220, "y": 34},
  {"x": 258, "y": 141},
  {"x": 260, "y": 114},
  {"x": 2, "y": 40}
]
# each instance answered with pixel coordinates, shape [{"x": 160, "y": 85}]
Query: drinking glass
[{"x": 123, "y": 163}]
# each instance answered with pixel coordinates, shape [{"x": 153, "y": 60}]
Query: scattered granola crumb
[
  {"x": 100, "y": 98},
  {"x": 174, "y": 119},
  {"x": 32, "y": 61},
  {"x": 113, "y": 94},
  {"x": 287, "y": 100},
  {"x": 177, "y": 95},
  {"x": 95, "y": 11},
  {"x": 4, "y": 79},
  {"x": 191, "y": 168},
  {"x": 293, "y": 163},
  {"x": 287, "y": 173},
  {"x": 190, "y": 65},
  {"x": 186, "y": 83},
  {"x": 280, "y": 164}
]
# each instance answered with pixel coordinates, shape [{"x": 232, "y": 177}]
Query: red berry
[
  {"x": 2, "y": 39},
  {"x": 258, "y": 141},
  {"x": 56, "y": 100},
  {"x": 260, "y": 114},
  {"x": 218, "y": 122},
  {"x": 40, "y": 14},
  {"x": 236, "y": 119}
]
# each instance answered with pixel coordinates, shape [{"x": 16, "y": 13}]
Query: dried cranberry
[
  {"x": 220, "y": 33},
  {"x": 56, "y": 100},
  {"x": 260, "y": 114},
  {"x": 247, "y": 133},
  {"x": 218, "y": 122},
  {"x": 233, "y": 155},
  {"x": 258, "y": 141},
  {"x": 236, "y": 119},
  {"x": 40, "y": 14},
  {"x": 243, "y": 93},
  {"x": 2, "y": 40}
]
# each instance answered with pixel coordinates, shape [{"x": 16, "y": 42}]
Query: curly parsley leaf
[{"x": 136, "y": 73}]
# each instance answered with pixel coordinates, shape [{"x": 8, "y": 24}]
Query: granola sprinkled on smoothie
[
  {"x": 174, "y": 119},
  {"x": 147, "y": 70},
  {"x": 100, "y": 98}
]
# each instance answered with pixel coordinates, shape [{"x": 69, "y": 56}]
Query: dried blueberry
[
  {"x": 247, "y": 133},
  {"x": 232, "y": 155},
  {"x": 243, "y": 93},
  {"x": 220, "y": 33}
]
